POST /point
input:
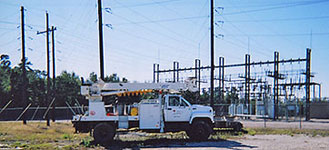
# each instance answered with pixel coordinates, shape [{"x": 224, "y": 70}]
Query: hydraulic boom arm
[{"x": 104, "y": 89}]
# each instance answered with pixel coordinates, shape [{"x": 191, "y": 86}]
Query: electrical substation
[{"x": 276, "y": 89}]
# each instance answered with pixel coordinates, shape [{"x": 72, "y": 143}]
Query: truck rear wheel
[
  {"x": 237, "y": 126},
  {"x": 199, "y": 130},
  {"x": 103, "y": 133}
]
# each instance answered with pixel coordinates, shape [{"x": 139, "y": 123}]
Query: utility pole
[
  {"x": 24, "y": 99},
  {"x": 48, "y": 65},
  {"x": 221, "y": 79},
  {"x": 154, "y": 67},
  {"x": 174, "y": 73},
  {"x": 54, "y": 69},
  {"x": 177, "y": 67},
  {"x": 100, "y": 28},
  {"x": 308, "y": 81},
  {"x": 158, "y": 75},
  {"x": 247, "y": 82},
  {"x": 212, "y": 47},
  {"x": 197, "y": 63},
  {"x": 276, "y": 85}
]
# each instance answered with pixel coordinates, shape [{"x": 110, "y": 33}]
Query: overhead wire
[
  {"x": 151, "y": 30},
  {"x": 235, "y": 21},
  {"x": 153, "y": 41},
  {"x": 281, "y": 19},
  {"x": 266, "y": 4},
  {"x": 160, "y": 25},
  {"x": 148, "y": 4},
  {"x": 282, "y": 34},
  {"x": 163, "y": 20},
  {"x": 276, "y": 7},
  {"x": 269, "y": 28},
  {"x": 239, "y": 30},
  {"x": 172, "y": 10},
  {"x": 203, "y": 23}
]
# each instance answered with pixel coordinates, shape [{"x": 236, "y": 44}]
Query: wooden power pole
[
  {"x": 24, "y": 99},
  {"x": 212, "y": 47},
  {"x": 54, "y": 73},
  {"x": 100, "y": 29},
  {"x": 48, "y": 65}
]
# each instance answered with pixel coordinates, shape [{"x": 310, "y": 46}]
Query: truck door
[{"x": 177, "y": 109}]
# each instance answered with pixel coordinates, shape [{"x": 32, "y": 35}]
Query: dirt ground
[
  {"x": 257, "y": 141},
  {"x": 262, "y": 142}
]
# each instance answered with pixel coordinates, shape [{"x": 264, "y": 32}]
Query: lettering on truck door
[{"x": 177, "y": 109}]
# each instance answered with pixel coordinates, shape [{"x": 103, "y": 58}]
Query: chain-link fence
[
  {"x": 286, "y": 111},
  {"x": 38, "y": 113}
]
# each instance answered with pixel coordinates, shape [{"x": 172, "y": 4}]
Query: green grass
[{"x": 36, "y": 135}]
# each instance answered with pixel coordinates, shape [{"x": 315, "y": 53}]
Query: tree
[
  {"x": 67, "y": 85},
  {"x": 232, "y": 96},
  {"x": 16, "y": 84},
  {"x": 5, "y": 86},
  {"x": 193, "y": 97},
  {"x": 33, "y": 89},
  {"x": 36, "y": 88},
  {"x": 93, "y": 77},
  {"x": 112, "y": 78},
  {"x": 205, "y": 95},
  {"x": 68, "y": 89},
  {"x": 4, "y": 61}
]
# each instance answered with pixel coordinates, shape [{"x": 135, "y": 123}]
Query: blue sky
[{"x": 161, "y": 31}]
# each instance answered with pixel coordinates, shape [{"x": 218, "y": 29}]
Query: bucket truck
[{"x": 168, "y": 112}]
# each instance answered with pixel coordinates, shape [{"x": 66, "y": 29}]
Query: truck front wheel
[
  {"x": 103, "y": 133},
  {"x": 199, "y": 130}
]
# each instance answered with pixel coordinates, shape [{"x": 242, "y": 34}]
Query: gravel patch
[
  {"x": 258, "y": 142},
  {"x": 314, "y": 124}
]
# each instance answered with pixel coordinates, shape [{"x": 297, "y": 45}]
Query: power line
[
  {"x": 172, "y": 10},
  {"x": 266, "y": 27},
  {"x": 238, "y": 29},
  {"x": 163, "y": 20},
  {"x": 157, "y": 42},
  {"x": 264, "y": 4},
  {"x": 16, "y": 23},
  {"x": 235, "y": 21},
  {"x": 147, "y": 4},
  {"x": 152, "y": 31},
  {"x": 153, "y": 41},
  {"x": 282, "y": 19},
  {"x": 279, "y": 35},
  {"x": 160, "y": 25},
  {"x": 276, "y": 7}
]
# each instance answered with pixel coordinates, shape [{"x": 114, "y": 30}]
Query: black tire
[
  {"x": 189, "y": 133},
  {"x": 199, "y": 130},
  {"x": 237, "y": 126},
  {"x": 104, "y": 133}
]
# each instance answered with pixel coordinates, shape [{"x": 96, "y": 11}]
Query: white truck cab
[{"x": 177, "y": 109}]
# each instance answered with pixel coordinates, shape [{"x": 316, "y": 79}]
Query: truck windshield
[{"x": 185, "y": 102}]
